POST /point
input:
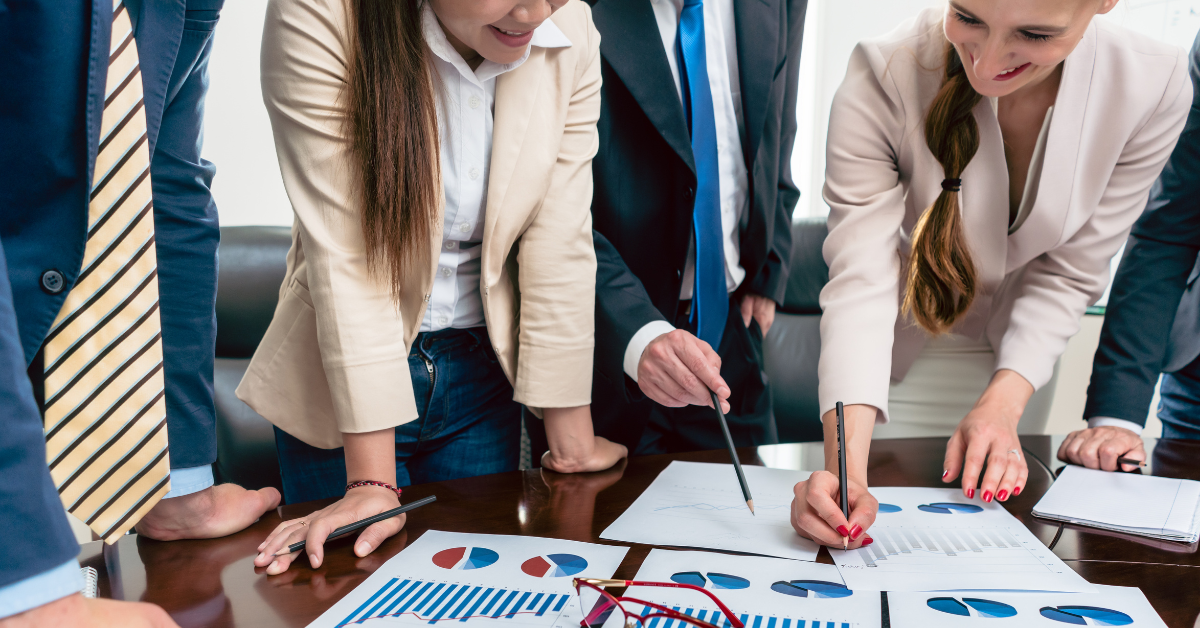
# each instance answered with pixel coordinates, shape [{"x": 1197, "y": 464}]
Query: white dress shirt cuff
[
  {"x": 190, "y": 480},
  {"x": 1107, "y": 421},
  {"x": 641, "y": 340},
  {"x": 43, "y": 588}
]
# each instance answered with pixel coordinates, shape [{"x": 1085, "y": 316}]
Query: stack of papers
[{"x": 1155, "y": 507}]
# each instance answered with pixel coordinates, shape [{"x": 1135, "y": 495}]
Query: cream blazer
[
  {"x": 1121, "y": 106},
  {"x": 335, "y": 357}
]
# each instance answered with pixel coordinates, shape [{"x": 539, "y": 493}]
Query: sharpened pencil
[
  {"x": 737, "y": 465},
  {"x": 358, "y": 525},
  {"x": 841, "y": 436}
]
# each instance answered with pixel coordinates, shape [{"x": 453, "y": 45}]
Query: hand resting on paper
[
  {"x": 817, "y": 513},
  {"x": 1100, "y": 447}
]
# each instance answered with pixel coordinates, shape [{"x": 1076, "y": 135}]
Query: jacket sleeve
[
  {"x": 557, "y": 262},
  {"x": 772, "y": 280},
  {"x": 31, "y": 513},
  {"x": 1150, "y": 281},
  {"x": 186, "y": 238},
  {"x": 862, "y": 187},
  {"x": 359, "y": 327},
  {"x": 622, "y": 308},
  {"x": 1056, "y": 287}
]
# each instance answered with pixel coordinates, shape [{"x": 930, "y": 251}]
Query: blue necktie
[{"x": 710, "y": 298}]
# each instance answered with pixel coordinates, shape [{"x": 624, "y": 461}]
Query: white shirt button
[
  {"x": 474, "y": 102},
  {"x": 442, "y": 320},
  {"x": 474, "y": 173},
  {"x": 465, "y": 227},
  {"x": 451, "y": 244},
  {"x": 445, "y": 272}
]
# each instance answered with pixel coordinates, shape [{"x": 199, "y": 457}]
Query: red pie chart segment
[
  {"x": 536, "y": 567},
  {"x": 554, "y": 565},
  {"x": 447, "y": 559}
]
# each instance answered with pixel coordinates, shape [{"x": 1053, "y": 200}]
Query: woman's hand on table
[
  {"x": 988, "y": 434},
  {"x": 359, "y": 503},
  {"x": 817, "y": 512},
  {"x": 574, "y": 446},
  {"x": 1100, "y": 447}
]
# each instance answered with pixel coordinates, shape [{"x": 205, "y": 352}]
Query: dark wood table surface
[{"x": 215, "y": 584}]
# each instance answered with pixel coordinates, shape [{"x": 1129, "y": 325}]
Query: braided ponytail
[{"x": 940, "y": 283}]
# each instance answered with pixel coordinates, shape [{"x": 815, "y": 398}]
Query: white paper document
[
  {"x": 761, "y": 592},
  {"x": 693, "y": 504},
  {"x": 1112, "y": 606},
  {"x": 488, "y": 581},
  {"x": 1145, "y": 505},
  {"x": 931, "y": 539}
]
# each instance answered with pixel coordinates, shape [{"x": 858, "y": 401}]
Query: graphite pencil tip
[{"x": 750, "y": 505}]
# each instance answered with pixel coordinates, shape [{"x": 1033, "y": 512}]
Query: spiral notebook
[{"x": 1144, "y": 505}]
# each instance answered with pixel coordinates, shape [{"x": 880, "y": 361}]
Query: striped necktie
[{"x": 105, "y": 419}]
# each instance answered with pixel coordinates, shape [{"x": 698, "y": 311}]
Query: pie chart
[
  {"x": 714, "y": 580},
  {"x": 950, "y": 508},
  {"x": 971, "y": 607},
  {"x": 554, "y": 565},
  {"x": 812, "y": 588},
  {"x": 889, "y": 508},
  {"x": 465, "y": 558},
  {"x": 1086, "y": 616}
]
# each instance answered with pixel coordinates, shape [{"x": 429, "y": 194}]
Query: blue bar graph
[
  {"x": 435, "y": 602},
  {"x": 749, "y": 621}
]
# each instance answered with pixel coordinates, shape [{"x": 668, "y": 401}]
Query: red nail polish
[
  {"x": 945, "y": 473},
  {"x": 970, "y": 493},
  {"x": 843, "y": 531},
  {"x": 867, "y": 541},
  {"x": 1016, "y": 491},
  {"x": 855, "y": 531},
  {"x": 987, "y": 496},
  {"x": 1002, "y": 495}
]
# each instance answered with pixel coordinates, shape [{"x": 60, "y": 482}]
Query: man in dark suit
[
  {"x": 60, "y": 96},
  {"x": 692, "y": 213},
  {"x": 1152, "y": 322}
]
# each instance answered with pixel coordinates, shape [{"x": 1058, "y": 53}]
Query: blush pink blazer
[{"x": 1121, "y": 106}]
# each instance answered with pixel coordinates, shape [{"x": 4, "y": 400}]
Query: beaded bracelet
[{"x": 373, "y": 483}]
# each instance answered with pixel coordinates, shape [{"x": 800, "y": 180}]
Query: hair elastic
[{"x": 952, "y": 185}]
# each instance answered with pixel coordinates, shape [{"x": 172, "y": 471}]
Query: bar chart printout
[
  {"x": 769, "y": 592},
  {"x": 452, "y": 579},
  {"x": 937, "y": 541}
]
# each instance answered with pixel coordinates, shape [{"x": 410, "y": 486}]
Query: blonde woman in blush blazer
[
  {"x": 986, "y": 161},
  {"x": 437, "y": 155}
]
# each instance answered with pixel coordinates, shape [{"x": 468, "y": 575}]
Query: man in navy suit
[
  {"x": 1152, "y": 323},
  {"x": 55, "y": 57}
]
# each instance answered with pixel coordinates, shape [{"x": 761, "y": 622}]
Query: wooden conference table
[{"x": 214, "y": 583}]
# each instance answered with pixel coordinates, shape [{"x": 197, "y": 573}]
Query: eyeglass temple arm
[{"x": 638, "y": 583}]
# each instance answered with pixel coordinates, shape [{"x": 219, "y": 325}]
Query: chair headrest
[
  {"x": 808, "y": 273},
  {"x": 252, "y": 262}
]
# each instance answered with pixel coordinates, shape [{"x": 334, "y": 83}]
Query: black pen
[
  {"x": 358, "y": 525},
  {"x": 737, "y": 465},
  {"x": 841, "y": 436}
]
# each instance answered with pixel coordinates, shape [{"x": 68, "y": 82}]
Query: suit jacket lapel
[
  {"x": 516, "y": 99},
  {"x": 158, "y": 29},
  {"x": 757, "y": 46},
  {"x": 632, "y": 45}
]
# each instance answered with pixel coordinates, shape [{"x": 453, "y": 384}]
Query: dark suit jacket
[
  {"x": 55, "y": 56},
  {"x": 645, "y": 174},
  {"x": 1137, "y": 342}
]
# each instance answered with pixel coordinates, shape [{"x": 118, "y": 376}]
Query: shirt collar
[{"x": 548, "y": 35}]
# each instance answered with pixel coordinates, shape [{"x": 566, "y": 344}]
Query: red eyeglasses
[{"x": 598, "y": 605}]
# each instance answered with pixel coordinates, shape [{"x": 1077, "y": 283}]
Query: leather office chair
[
  {"x": 792, "y": 347},
  {"x": 252, "y": 262}
]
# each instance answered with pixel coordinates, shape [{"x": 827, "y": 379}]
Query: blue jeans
[
  {"x": 1179, "y": 409},
  {"x": 468, "y": 423}
]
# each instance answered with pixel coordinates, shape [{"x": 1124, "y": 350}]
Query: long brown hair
[
  {"x": 392, "y": 126},
  {"x": 941, "y": 274}
]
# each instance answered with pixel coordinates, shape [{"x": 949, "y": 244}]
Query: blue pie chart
[
  {"x": 971, "y": 607},
  {"x": 950, "y": 508},
  {"x": 812, "y": 588},
  {"x": 713, "y": 581},
  {"x": 889, "y": 508},
  {"x": 1086, "y": 616}
]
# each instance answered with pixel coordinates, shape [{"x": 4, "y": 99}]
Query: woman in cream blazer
[
  {"x": 338, "y": 364},
  {"x": 1073, "y": 120}
]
